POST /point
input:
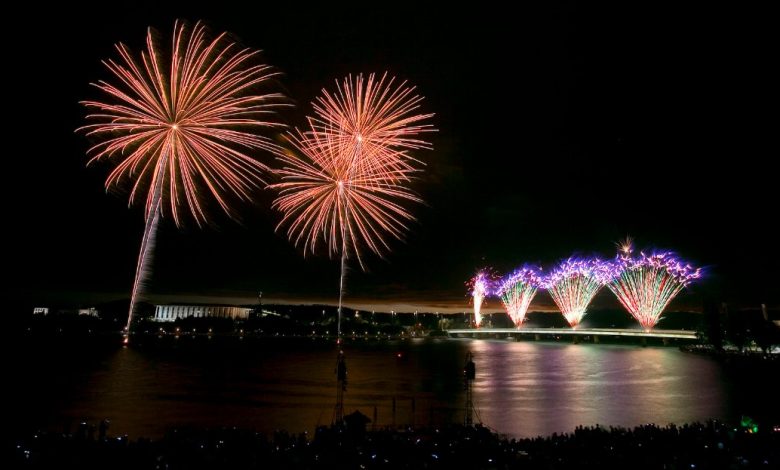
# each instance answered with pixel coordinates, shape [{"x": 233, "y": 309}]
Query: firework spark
[
  {"x": 376, "y": 118},
  {"x": 326, "y": 198},
  {"x": 179, "y": 124},
  {"x": 480, "y": 287},
  {"x": 517, "y": 290},
  {"x": 625, "y": 246},
  {"x": 645, "y": 285},
  {"x": 574, "y": 283},
  {"x": 347, "y": 182}
]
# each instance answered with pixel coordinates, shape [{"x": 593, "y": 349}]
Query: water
[{"x": 522, "y": 388}]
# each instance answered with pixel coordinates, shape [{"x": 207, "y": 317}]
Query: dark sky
[{"x": 561, "y": 130}]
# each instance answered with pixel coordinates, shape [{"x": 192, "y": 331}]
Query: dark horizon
[{"x": 617, "y": 122}]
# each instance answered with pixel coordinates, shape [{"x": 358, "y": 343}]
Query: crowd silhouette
[{"x": 693, "y": 446}]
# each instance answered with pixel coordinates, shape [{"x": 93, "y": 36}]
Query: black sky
[{"x": 561, "y": 129}]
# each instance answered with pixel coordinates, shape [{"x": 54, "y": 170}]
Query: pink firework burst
[
  {"x": 179, "y": 124},
  {"x": 347, "y": 180},
  {"x": 378, "y": 119},
  {"x": 327, "y": 198}
]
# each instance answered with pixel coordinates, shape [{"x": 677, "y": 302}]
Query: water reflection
[
  {"x": 531, "y": 388},
  {"x": 521, "y": 388}
]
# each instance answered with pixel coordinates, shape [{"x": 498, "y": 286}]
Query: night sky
[{"x": 561, "y": 130}]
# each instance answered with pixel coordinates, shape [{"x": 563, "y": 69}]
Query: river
[{"x": 521, "y": 389}]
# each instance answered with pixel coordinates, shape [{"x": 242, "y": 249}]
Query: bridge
[{"x": 595, "y": 332}]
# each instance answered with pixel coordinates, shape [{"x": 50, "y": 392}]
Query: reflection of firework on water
[
  {"x": 479, "y": 287},
  {"x": 574, "y": 283},
  {"x": 645, "y": 285},
  {"x": 517, "y": 290},
  {"x": 178, "y": 123}
]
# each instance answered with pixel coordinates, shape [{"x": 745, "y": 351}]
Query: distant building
[
  {"x": 92, "y": 311},
  {"x": 173, "y": 312}
]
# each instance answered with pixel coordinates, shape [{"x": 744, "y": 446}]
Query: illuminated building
[{"x": 174, "y": 312}]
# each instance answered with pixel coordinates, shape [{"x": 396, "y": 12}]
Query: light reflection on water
[
  {"x": 522, "y": 388},
  {"x": 531, "y": 389}
]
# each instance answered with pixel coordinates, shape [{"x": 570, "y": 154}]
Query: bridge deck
[{"x": 676, "y": 334}]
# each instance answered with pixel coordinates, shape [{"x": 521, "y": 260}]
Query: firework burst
[
  {"x": 646, "y": 284},
  {"x": 347, "y": 181},
  {"x": 517, "y": 290},
  {"x": 574, "y": 283},
  {"x": 326, "y": 198},
  {"x": 479, "y": 288},
  {"x": 178, "y": 124},
  {"x": 373, "y": 122}
]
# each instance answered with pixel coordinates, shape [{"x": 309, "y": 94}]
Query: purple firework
[
  {"x": 646, "y": 284},
  {"x": 517, "y": 290},
  {"x": 574, "y": 283}
]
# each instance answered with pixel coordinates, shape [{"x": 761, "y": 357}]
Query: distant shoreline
[{"x": 732, "y": 354}]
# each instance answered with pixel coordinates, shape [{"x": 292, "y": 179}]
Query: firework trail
[
  {"x": 574, "y": 283},
  {"x": 346, "y": 182},
  {"x": 517, "y": 290},
  {"x": 178, "y": 123},
  {"x": 479, "y": 287},
  {"x": 646, "y": 284},
  {"x": 325, "y": 198}
]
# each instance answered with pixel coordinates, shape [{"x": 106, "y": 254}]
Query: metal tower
[{"x": 469, "y": 374}]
